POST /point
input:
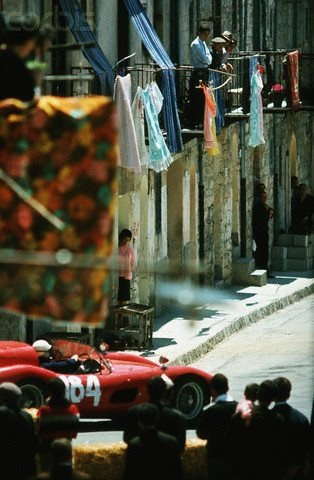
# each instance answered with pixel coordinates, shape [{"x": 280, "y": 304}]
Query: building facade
[{"x": 192, "y": 222}]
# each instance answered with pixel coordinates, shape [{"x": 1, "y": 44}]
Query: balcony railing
[{"x": 236, "y": 98}]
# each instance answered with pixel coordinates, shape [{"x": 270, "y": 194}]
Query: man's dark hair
[
  {"x": 283, "y": 389},
  {"x": 251, "y": 391},
  {"x": 147, "y": 415},
  {"x": 156, "y": 387},
  {"x": 20, "y": 29},
  {"x": 204, "y": 27},
  {"x": 56, "y": 387},
  {"x": 219, "y": 382},
  {"x": 266, "y": 392}
]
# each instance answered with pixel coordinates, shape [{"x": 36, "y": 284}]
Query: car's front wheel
[
  {"x": 190, "y": 395},
  {"x": 32, "y": 393}
]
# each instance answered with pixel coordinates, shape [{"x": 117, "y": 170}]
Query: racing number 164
[{"x": 76, "y": 391}]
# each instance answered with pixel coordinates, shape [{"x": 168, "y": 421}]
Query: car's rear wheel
[
  {"x": 32, "y": 393},
  {"x": 190, "y": 395}
]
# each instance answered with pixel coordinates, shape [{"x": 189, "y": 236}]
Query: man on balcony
[{"x": 201, "y": 59}]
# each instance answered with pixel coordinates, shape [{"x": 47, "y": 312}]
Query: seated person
[{"x": 43, "y": 348}]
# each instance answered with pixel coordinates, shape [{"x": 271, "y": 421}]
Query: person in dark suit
[
  {"x": 152, "y": 455},
  {"x": 263, "y": 448},
  {"x": 213, "y": 426},
  {"x": 297, "y": 429},
  {"x": 261, "y": 215},
  {"x": 170, "y": 420},
  {"x": 61, "y": 463},
  {"x": 18, "y": 42},
  {"x": 18, "y": 440}
]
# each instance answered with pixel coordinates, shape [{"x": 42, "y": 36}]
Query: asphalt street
[{"x": 281, "y": 344}]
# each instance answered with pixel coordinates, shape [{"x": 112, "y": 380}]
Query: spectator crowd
[{"x": 260, "y": 437}]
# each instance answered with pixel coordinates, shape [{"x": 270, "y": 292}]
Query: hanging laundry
[
  {"x": 210, "y": 138},
  {"x": 157, "y": 51},
  {"x": 215, "y": 80},
  {"x": 256, "y": 110},
  {"x": 293, "y": 79},
  {"x": 139, "y": 125},
  {"x": 128, "y": 153},
  {"x": 159, "y": 155}
]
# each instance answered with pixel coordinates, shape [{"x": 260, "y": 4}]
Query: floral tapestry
[{"x": 57, "y": 199}]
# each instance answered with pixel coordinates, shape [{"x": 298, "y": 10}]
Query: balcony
[{"x": 236, "y": 101}]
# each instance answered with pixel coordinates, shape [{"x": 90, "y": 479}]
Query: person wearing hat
[
  {"x": 170, "y": 420},
  {"x": 18, "y": 440},
  {"x": 217, "y": 51},
  {"x": 228, "y": 49},
  {"x": 43, "y": 349}
]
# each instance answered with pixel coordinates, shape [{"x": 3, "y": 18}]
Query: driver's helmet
[{"x": 42, "y": 346}]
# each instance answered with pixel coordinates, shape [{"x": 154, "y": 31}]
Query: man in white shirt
[{"x": 201, "y": 59}]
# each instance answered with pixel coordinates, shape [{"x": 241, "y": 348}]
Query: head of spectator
[
  {"x": 125, "y": 236},
  {"x": 203, "y": 31},
  {"x": 259, "y": 188},
  {"x": 159, "y": 388},
  {"x": 147, "y": 416},
  {"x": 303, "y": 191},
  {"x": 42, "y": 347},
  {"x": 61, "y": 451},
  {"x": 9, "y": 395},
  {"x": 283, "y": 389},
  {"x": 218, "y": 44},
  {"x": 56, "y": 392},
  {"x": 219, "y": 385},
  {"x": 21, "y": 35},
  {"x": 230, "y": 41},
  {"x": 251, "y": 392},
  {"x": 294, "y": 182},
  {"x": 266, "y": 393}
]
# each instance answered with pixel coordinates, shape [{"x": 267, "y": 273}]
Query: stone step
[
  {"x": 304, "y": 253},
  {"x": 279, "y": 264},
  {"x": 299, "y": 265},
  {"x": 243, "y": 266},
  {"x": 258, "y": 278},
  {"x": 279, "y": 253}
]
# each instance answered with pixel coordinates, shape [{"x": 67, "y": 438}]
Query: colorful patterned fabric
[{"x": 57, "y": 186}]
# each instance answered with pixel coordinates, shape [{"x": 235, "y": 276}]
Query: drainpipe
[
  {"x": 201, "y": 210},
  {"x": 243, "y": 209},
  {"x": 276, "y": 182}
]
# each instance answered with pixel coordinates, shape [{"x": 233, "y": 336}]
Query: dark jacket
[
  {"x": 16, "y": 80},
  {"x": 18, "y": 444},
  {"x": 171, "y": 421},
  {"x": 296, "y": 433},
  {"x": 264, "y": 445},
  {"x": 213, "y": 426},
  {"x": 153, "y": 455},
  {"x": 63, "y": 472}
]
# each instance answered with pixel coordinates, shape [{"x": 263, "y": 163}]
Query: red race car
[{"x": 106, "y": 384}]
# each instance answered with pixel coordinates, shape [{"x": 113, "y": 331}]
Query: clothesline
[{"x": 182, "y": 67}]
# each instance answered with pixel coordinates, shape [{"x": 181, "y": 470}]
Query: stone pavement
[{"x": 184, "y": 334}]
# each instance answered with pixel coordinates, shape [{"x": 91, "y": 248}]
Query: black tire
[
  {"x": 191, "y": 394},
  {"x": 33, "y": 393}
]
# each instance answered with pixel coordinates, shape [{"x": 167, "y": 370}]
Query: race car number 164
[{"x": 76, "y": 391}]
